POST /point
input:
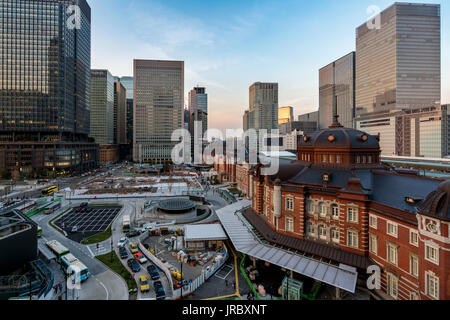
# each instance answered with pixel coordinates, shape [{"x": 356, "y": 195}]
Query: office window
[
  {"x": 289, "y": 224},
  {"x": 352, "y": 239},
  {"x": 392, "y": 255},
  {"x": 289, "y": 204},
  {"x": 414, "y": 265},
  {"x": 373, "y": 244},
  {"x": 392, "y": 285},
  {"x": 352, "y": 214},
  {"x": 392, "y": 229},
  {"x": 432, "y": 254},
  {"x": 373, "y": 221},
  {"x": 432, "y": 285},
  {"x": 414, "y": 238}
]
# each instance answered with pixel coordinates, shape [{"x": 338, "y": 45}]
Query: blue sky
[{"x": 228, "y": 45}]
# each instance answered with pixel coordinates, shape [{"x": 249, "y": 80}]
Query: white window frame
[
  {"x": 373, "y": 221},
  {"x": 354, "y": 242},
  {"x": 310, "y": 230},
  {"x": 434, "y": 260},
  {"x": 411, "y": 233},
  {"x": 429, "y": 275},
  {"x": 322, "y": 209},
  {"x": 392, "y": 285},
  {"x": 289, "y": 203},
  {"x": 309, "y": 206},
  {"x": 393, "y": 259},
  {"x": 319, "y": 229},
  {"x": 373, "y": 244},
  {"x": 394, "y": 232},
  {"x": 334, "y": 231},
  {"x": 414, "y": 265},
  {"x": 335, "y": 211},
  {"x": 352, "y": 214},
  {"x": 289, "y": 224}
]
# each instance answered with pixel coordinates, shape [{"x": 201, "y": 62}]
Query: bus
[
  {"x": 49, "y": 191},
  {"x": 39, "y": 232},
  {"x": 52, "y": 208},
  {"x": 126, "y": 224},
  {"x": 57, "y": 248},
  {"x": 73, "y": 265}
]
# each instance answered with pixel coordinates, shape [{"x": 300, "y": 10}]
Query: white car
[
  {"x": 122, "y": 242},
  {"x": 74, "y": 229}
]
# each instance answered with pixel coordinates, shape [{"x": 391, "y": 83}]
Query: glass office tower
[
  {"x": 398, "y": 66},
  {"x": 44, "y": 85},
  {"x": 337, "y": 89},
  {"x": 102, "y": 106},
  {"x": 158, "y": 108}
]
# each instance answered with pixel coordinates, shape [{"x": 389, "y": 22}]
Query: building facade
[
  {"x": 263, "y": 102},
  {"x": 128, "y": 83},
  {"x": 102, "y": 106},
  {"x": 285, "y": 115},
  {"x": 337, "y": 90},
  {"x": 44, "y": 94},
  {"x": 309, "y": 117},
  {"x": 394, "y": 69},
  {"x": 158, "y": 108},
  {"x": 198, "y": 112},
  {"x": 120, "y": 114},
  {"x": 339, "y": 204},
  {"x": 419, "y": 132}
]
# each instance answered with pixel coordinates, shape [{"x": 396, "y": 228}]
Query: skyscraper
[
  {"x": 398, "y": 65},
  {"x": 45, "y": 86},
  {"x": 128, "y": 83},
  {"x": 337, "y": 89},
  {"x": 285, "y": 115},
  {"x": 120, "y": 114},
  {"x": 263, "y": 102},
  {"x": 158, "y": 108},
  {"x": 198, "y": 112},
  {"x": 102, "y": 106}
]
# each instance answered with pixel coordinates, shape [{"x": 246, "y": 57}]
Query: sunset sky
[{"x": 228, "y": 45}]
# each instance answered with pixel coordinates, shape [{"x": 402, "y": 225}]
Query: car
[
  {"x": 146, "y": 246},
  {"x": 123, "y": 253},
  {"x": 144, "y": 284},
  {"x": 153, "y": 271},
  {"x": 159, "y": 290},
  {"x": 140, "y": 257},
  {"x": 134, "y": 248},
  {"x": 83, "y": 204},
  {"x": 134, "y": 265},
  {"x": 123, "y": 241},
  {"x": 74, "y": 229},
  {"x": 133, "y": 233}
]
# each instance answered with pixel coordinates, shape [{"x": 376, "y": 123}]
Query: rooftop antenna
[{"x": 336, "y": 123}]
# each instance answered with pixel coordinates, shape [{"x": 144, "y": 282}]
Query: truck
[{"x": 126, "y": 224}]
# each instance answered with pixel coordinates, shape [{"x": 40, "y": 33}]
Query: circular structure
[{"x": 176, "y": 205}]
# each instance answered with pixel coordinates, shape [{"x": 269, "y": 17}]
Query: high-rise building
[
  {"x": 245, "y": 119},
  {"x": 45, "y": 86},
  {"x": 102, "y": 106},
  {"x": 120, "y": 114},
  {"x": 158, "y": 108},
  {"x": 285, "y": 114},
  {"x": 309, "y": 117},
  {"x": 337, "y": 89},
  {"x": 398, "y": 65},
  {"x": 198, "y": 112},
  {"x": 263, "y": 111},
  {"x": 128, "y": 83}
]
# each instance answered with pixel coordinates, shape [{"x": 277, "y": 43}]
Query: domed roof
[
  {"x": 437, "y": 203},
  {"x": 340, "y": 137}
]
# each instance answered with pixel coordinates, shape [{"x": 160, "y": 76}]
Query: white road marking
[
  {"x": 92, "y": 254},
  {"x": 107, "y": 293}
]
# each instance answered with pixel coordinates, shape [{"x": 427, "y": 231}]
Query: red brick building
[{"x": 339, "y": 203}]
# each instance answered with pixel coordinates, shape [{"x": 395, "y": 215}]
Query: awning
[
  {"x": 207, "y": 232},
  {"x": 45, "y": 250},
  {"x": 342, "y": 276}
]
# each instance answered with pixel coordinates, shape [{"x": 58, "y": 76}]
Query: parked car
[
  {"x": 159, "y": 290},
  {"x": 143, "y": 284},
  {"x": 146, "y": 246},
  {"x": 123, "y": 253},
  {"x": 134, "y": 265},
  {"x": 83, "y": 204},
  {"x": 74, "y": 229},
  {"x": 123, "y": 241},
  {"x": 133, "y": 233},
  {"x": 140, "y": 257},
  {"x": 153, "y": 271},
  {"x": 134, "y": 248}
]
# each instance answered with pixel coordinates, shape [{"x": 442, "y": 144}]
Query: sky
[{"x": 228, "y": 45}]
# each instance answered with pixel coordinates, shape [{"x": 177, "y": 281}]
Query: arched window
[
  {"x": 322, "y": 209},
  {"x": 335, "y": 211},
  {"x": 322, "y": 232}
]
